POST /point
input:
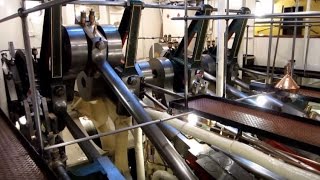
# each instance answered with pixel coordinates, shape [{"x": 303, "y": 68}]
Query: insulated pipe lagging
[
  {"x": 160, "y": 175},
  {"x": 158, "y": 139},
  {"x": 237, "y": 148},
  {"x": 139, "y": 154}
]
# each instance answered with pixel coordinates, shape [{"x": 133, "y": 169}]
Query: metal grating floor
[
  {"x": 15, "y": 162},
  {"x": 298, "y": 132}
]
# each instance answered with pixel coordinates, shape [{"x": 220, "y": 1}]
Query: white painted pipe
[
  {"x": 221, "y": 28},
  {"x": 139, "y": 154},
  {"x": 160, "y": 174},
  {"x": 237, "y": 148}
]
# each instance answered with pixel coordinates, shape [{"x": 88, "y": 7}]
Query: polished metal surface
[
  {"x": 231, "y": 89},
  {"x": 111, "y": 33},
  {"x": 208, "y": 64},
  {"x": 276, "y": 76},
  {"x": 90, "y": 87},
  {"x": 131, "y": 103},
  {"x": 240, "y": 83},
  {"x": 287, "y": 83},
  {"x": 163, "y": 76},
  {"x": 75, "y": 48},
  {"x": 146, "y": 70}
]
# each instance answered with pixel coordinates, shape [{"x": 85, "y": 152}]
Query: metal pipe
[
  {"x": 220, "y": 88},
  {"x": 154, "y": 100},
  {"x": 294, "y": 41},
  {"x": 147, "y": 5},
  {"x": 270, "y": 47},
  {"x": 61, "y": 172},
  {"x": 132, "y": 105},
  {"x": 162, "y": 90},
  {"x": 240, "y": 83},
  {"x": 87, "y": 138},
  {"x": 247, "y": 43},
  {"x": 276, "y": 50},
  {"x": 269, "y": 149},
  {"x": 32, "y": 80},
  {"x": 237, "y": 148},
  {"x": 36, "y": 8},
  {"x": 226, "y": 49},
  {"x": 306, "y": 51},
  {"x": 186, "y": 71},
  {"x": 306, "y": 39},
  {"x": 229, "y": 88},
  {"x": 310, "y": 14},
  {"x": 259, "y": 73},
  {"x": 138, "y": 141}
]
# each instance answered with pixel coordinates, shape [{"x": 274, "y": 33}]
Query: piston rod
[
  {"x": 162, "y": 90},
  {"x": 155, "y": 101},
  {"x": 276, "y": 76},
  {"x": 133, "y": 106}
]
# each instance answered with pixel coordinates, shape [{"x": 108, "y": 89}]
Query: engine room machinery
[{"x": 85, "y": 85}]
